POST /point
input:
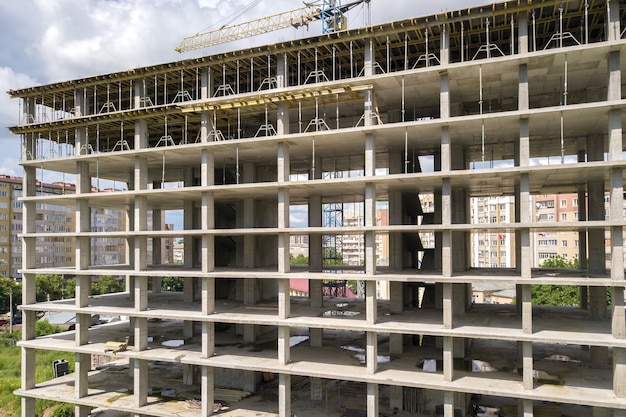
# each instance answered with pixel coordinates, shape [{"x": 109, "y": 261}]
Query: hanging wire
[{"x": 231, "y": 18}]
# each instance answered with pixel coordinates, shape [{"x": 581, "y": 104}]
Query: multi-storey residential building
[
  {"x": 53, "y": 218},
  {"x": 493, "y": 247},
  {"x": 550, "y": 244},
  {"x": 480, "y": 91}
]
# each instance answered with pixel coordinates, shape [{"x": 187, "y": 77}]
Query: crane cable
[{"x": 231, "y": 18}]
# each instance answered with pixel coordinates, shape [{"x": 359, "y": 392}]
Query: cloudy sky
[{"x": 46, "y": 41}]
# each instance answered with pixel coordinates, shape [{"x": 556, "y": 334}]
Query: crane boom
[{"x": 296, "y": 18}]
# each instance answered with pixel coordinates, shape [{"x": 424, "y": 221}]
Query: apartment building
[
  {"x": 480, "y": 92},
  {"x": 493, "y": 248}
]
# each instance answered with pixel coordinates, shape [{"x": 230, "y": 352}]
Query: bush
[{"x": 63, "y": 410}]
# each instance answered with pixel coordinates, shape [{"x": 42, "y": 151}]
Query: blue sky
[{"x": 46, "y": 41}]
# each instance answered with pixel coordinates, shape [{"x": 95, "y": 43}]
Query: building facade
[
  {"x": 53, "y": 251},
  {"x": 479, "y": 92}
]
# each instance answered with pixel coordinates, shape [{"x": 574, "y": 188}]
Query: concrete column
[
  {"x": 396, "y": 398},
  {"x": 522, "y": 30},
  {"x": 448, "y": 358},
  {"x": 444, "y": 97},
  {"x": 140, "y": 382},
  {"x": 371, "y": 352},
  {"x": 619, "y": 372},
  {"x": 396, "y": 248},
  {"x": 282, "y": 121},
  {"x": 28, "y": 289},
  {"x": 188, "y": 224},
  {"x": 525, "y": 408},
  {"x": 368, "y": 58},
  {"x": 613, "y": 30},
  {"x": 82, "y": 411},
  {"x": 448, "y": 404},
  {"x": 283, "y": 165},
  {"x": 618, "y": 317},
  {"x": 284, "y": 350},
  {"x": 248, "y": 222},
  {"x": 370, "y": 205},
  {"x": 141, "y": 134},
  {"x": 316, "y": 337},
  {"x": 284, "y": 332},
  {"x": 446, "y": 235},
  {"x": 371, "y": 302},
  {"x": 206, "y": 90},
  {"x": 317, "y": 389},
  {"x": 82, "y": 366},
  {"x": 396, "y": 298},
  {"x": 524, "y": 255},
  {"x": 595, "y": 192},
  {"x": 447, "y": 305},
  {"x": 315, "y": 251},
  {"x": 83, "y": 321},
  {"x": 526, "y": 308},
  {"x": 83, "y": 216},
  {"x": 208, "y": 308},
  {"x": 157, "y": 245},
  {"x": 28, "y": 380},
  {"x": 208, "y": 390},
  {"x": 616, "y": 191},
  {"x": 526, "y": 350},
  {"x": 372, "y": 400},
  {"x": 207, "y": 212},
  {"x": 284, "y": 395},
  {"x": 444, "y": 54}
]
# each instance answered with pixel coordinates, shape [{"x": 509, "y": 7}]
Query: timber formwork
[{"x": 517, "y": 98}]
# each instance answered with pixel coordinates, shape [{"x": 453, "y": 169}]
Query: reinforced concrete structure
[{"x": 461, "y": 104}]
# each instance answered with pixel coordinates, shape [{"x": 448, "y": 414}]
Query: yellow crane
[{"x": 330, "y": 12}]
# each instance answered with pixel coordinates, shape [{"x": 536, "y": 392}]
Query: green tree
[
  {"x": 298, "y": 260},
  {"x": 6, "y": 286},
  {"x": 555, "y": 295},
  {"x": 44, "y": 328},
  {"x": 332, "y": 257},
  {"x": 48, "y": 287},
  {"x": 107, "y": 284},
  {"x": 172, "y": 284},
  {"x": 560, "y": 262}
]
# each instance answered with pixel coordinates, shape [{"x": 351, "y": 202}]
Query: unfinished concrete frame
[{"x": 213, "y": 138}]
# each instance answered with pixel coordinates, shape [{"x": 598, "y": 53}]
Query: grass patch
[{"x": 10, "y": 374}]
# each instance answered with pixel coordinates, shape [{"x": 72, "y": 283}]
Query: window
[
  {"x": 547, "y": 255},
  {"x": 574, "y": 202},
  {"x": 563, "y": 216},
  {"x": 575, "y": 215},
  {"x": 564, "y": 243},
  {"x": 563, "y": 203},
  {"x": 502, "y": 219}
]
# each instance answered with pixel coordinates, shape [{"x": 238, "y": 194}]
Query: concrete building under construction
[{"x": 518, "y": 98}]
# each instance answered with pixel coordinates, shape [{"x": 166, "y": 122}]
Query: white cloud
[{"x": 60, "y": 40}]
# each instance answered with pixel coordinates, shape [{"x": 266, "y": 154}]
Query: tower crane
[{"x": 330, "y": 12}]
